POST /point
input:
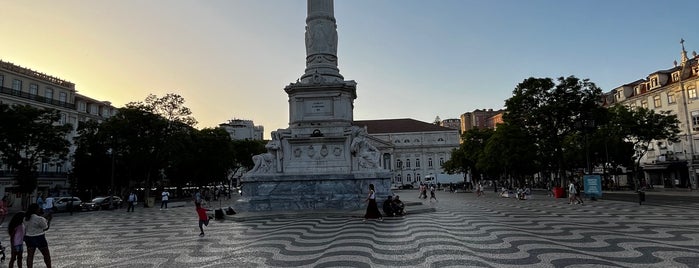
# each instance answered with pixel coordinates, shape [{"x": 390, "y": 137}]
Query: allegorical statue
[
  {"x": 366, "y": 154},
  {"x": 270, "y": 161}
]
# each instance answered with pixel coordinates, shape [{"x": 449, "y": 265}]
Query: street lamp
[{"x": 110, "y": 152}]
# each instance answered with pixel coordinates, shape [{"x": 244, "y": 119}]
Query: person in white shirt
[
  {"x": 48, "y": 205},
  {"x": 34, "y": 236},
  {"x": 165, "y": 196}
]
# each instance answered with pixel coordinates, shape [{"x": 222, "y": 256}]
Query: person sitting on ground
[
  {"x": 398, "y": 206},
  {"x": 387, "y": 207}
]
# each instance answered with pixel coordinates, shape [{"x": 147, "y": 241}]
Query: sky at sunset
[{"x": 411, "y": 59}]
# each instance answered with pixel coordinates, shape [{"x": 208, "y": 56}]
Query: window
[
  {"x": 63, "y": 119},
  {"x": 656, "y": 101},
  {"x": 676, "y": 77},
  {"x": 399, "y": 164},
  {"x": 417, "y": 177},
  {"x": 692, "y": 93},
  {"x": 17, "y": 84},
  {"x": 406, "y": 141},
  {"x": 408, "y": 178},
  {"x": 82, "y": 107},
  {"x": 440, "y": 139},
  {"x": 407, "y": 163},
  {"x": 417, "y": 163},
  {"x": 63, "y": 97},
  {"x": 695, "y": 120},
  {"x": 654, "y": 82},
  {"x": 441, "y": 161},
  {"x": 644, "y": 104},
  {"x": 397, "y": 141},
  {"x": 2, "y": 80},
  {"x": 48, "y": 94},
  {"x": 93, "y": 108},
  {"x": 34, "y": 89},
  {"x": 671, "y": 98}
]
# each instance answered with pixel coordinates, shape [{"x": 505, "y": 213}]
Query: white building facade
[{"x": 411, "y": 149}]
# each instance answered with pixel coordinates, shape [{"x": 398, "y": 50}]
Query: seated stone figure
[
  {"x": 367, "y": 155},
  {"x": 269, "y": 162}
]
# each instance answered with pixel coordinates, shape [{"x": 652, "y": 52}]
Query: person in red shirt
[{"x": 203, "y": 218}]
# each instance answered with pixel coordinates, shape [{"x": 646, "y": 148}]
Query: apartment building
[
  {"x": 24, "y": 86},
  {"x": 668, "y": 164}
]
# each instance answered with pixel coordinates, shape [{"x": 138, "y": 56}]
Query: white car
[{"x": 63, "y": 203}]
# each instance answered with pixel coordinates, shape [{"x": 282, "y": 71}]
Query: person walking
[
  {"x": 16, "y": 231},
  {"x": 372, "y": 209},
  {"x": 165, "y": 196},
  {"x": 36, "y": 227},
  {"x": 432, "y": 194},
  {"x": 572, "y": 191},
  {"x": 48, "y": 206},
  {"x": 132, "y": 200},
  {"x": 203, "y": 218}
]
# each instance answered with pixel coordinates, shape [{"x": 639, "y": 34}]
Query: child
[
  {"x": 16, "y": 231},
  {"x": 203, "y": 218}
]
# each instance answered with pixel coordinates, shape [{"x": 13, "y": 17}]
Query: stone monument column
[
  {"x": 321, "y": 42},
  {"x": 321, "y": 161}
]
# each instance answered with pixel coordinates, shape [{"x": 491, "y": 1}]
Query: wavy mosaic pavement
[{"x": 464, "y": 232}]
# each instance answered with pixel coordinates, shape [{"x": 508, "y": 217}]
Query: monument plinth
[{"x": 321, "y": 161}]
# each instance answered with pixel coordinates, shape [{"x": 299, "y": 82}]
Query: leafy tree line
[
  {"x": 556, "y": 128},
  {"x": 146, "y": 144}
]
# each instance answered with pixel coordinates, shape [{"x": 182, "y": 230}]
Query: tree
[
  {"x": 29, "y": 136},
  {"x": 464, "y": 159},
  {"x": 509, "y": 152},
  {"x": 549, "y": 111},
  {"x": 641, "y": 126}
]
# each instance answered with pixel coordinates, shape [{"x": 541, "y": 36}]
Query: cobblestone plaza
[{"x": 465, "y": 231}]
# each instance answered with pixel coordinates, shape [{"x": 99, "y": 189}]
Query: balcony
[{"x": 36, "y": 98}]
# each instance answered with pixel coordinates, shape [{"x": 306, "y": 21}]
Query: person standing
[
  {"x": 16, "y": 232},
  {"x": 203, "y": 218},
  {"x": 372, "y": 209},
  {"x": 48, "y": 206},
  {"x": 40, "y": 200},
  {"x": 36, "y": 227},
  {"x": 132, "y": 202},
  {"x": 571, "y": 192},
  {"x": 165, "y": 196}
]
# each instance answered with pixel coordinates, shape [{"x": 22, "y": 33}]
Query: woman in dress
[{"x": 372, "y": 210}]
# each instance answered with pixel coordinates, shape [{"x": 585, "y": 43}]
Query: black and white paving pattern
[{"x": 465, "y": 231}]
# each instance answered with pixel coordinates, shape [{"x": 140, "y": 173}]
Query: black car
[
  {"x": 102, "y": 202},
  {"x": 406, "y": 186}
]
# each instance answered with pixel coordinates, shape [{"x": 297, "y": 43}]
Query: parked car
[
  {"x": 63, "y": 203},
  {"x": 401, "y": 186},
  {"x": 102, "y": 202}
]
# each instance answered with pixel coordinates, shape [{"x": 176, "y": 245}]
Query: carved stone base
[{"x": 267, "y": 192}]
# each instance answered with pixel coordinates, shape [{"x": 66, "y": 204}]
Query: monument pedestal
[{"x": 267, "y": 192}]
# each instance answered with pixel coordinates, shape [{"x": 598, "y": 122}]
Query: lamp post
[
  {"x": 690, "y": 137},
  {"x": 110, "y": 151}
]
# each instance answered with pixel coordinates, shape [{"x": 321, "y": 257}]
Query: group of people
[
  {"x": 423, "y": 192},
  {"x": 29, "y": 227},
  {"x": 393, "y": 206}
]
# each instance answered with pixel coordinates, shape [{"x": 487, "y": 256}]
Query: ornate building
[
  {"x": 20, "y": 85},
  {"x": 668, "y": 164},
  {"x": 411, "y": 149}
]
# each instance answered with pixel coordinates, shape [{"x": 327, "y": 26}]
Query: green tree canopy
[{"x": 28, "y": 137}]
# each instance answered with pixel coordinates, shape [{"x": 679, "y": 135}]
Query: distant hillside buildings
[{"x": 240, "y": 129}]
